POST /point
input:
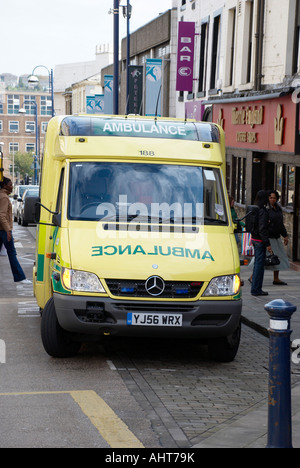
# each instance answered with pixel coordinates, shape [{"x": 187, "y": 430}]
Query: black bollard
[{"x": 280, "y": 400}]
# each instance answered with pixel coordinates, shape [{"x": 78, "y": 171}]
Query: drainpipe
[{"x": 259, "y": 37}]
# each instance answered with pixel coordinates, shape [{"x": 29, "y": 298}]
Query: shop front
[{"x": 262, "y": 146}]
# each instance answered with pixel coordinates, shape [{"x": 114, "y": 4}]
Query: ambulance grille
[
  {"x": 136, "y": 288},
  {"x": 154, "y": 308}
]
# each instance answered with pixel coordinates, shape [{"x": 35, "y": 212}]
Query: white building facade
[{"x": 246, "y": 78}]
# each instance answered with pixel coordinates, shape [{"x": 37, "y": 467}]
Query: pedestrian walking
[
  {"x": 277, "y": 230},
  {"x": 6, "y": 226},
  {"x": 261, "y": 243}
]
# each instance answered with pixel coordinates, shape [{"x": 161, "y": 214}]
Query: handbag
[
  {"x": 247, "y": 247},
  {"x": 271, "y": 260}
]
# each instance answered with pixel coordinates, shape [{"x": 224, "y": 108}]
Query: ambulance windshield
[{"x": 146, "y": 193}]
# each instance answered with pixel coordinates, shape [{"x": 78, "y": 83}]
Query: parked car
[
  {"x": 26, "y": 205},
  {"x": 17, "y": 198}
]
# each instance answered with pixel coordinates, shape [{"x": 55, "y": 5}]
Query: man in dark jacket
[{"x": 261, "y": 243}]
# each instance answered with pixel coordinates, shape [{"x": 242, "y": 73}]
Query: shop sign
[
  {"x": 194, "y": 110},
  {"x": 266, "y": 125},
  {"x": 135, "y": 97},
  {"x": 185, "y": 56}
]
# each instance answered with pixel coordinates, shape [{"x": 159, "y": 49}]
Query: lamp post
[
  {"x": 13, "y": 167},
  {"x": 34, "y": 79},
  {"x": 116, "y": 57},
  {"x": 127, "y": 10},
  {"x": 127, "y": 14},
  {"x": 36, "y": 156}
]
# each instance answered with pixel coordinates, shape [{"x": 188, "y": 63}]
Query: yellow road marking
[{"x": 108, "y": 424}]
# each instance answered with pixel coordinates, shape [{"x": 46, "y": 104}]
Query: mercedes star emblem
[{"x": 155, "y": 286}]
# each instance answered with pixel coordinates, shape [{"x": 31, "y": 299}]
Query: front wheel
[
  {"x": 57, "y": 342},
  {"x": 225, "y": 349}
]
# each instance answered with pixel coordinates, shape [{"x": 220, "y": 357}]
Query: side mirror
[
  {"x": 56, "y": 219},
  {"x": 37, "y": 210},
  {"x": 30, "y": 210},
  {"x": 15, "y": 196}
]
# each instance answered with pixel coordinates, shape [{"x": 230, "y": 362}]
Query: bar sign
[{"x": 185, "y": 56}]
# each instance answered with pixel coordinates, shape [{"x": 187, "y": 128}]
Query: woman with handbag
[
  {"x": 277, "y": 230},
  {"x": 261, "y": 243}
]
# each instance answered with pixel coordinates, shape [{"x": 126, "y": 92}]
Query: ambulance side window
[{"x": 60, "y": 192}]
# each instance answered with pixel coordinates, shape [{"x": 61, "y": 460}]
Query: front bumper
[{"x": 99, "y": 316}]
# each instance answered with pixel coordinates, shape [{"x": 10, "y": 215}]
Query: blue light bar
[
  {"x": 127, "y": 290},
  {"x": 181, "y": 291}
]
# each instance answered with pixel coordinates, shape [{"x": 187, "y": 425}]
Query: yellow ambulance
[{"x": 135, "y": 236}]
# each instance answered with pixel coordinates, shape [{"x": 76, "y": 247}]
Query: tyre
[
  {"x": 57, "y": 342},
  {"x": 225, "y": 349}
]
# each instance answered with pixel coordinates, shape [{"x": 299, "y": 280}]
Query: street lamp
[
  {"x": 127, "y": 14},
  {"x": 116, "y": 57},
  {"x": 34, "y": 79},
  {"x": 127, "y": 10},
  {"x": 23, "y": 111}
]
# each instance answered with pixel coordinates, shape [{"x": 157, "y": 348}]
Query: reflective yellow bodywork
[{"x": 90, "y": 247}]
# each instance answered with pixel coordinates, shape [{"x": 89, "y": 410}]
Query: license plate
[{"x": 155, "y": 320}]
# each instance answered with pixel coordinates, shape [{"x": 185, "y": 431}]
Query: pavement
[{"x": 251, "y": 429}]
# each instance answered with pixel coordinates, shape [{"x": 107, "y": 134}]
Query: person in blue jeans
[
  {"x": 261, "y": 243},
  {"x": 6, "y": 226}
]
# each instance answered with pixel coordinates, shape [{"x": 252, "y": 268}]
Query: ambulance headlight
[
  {"x": 223, "y": 286},
  {"x": 81, "y": 281}
]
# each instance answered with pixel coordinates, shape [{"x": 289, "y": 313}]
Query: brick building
[{"x": 17, "y": 130}]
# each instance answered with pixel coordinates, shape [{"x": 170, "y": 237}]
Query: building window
[
  {"x": 215, "y": 50},
  {"x": 249, "y": 15},
  {"x": 297, "y": 40},
  {"x": 46, "y": 105},
  {"x": 1, "y": 104},
  {"x": 13, "y": 147},
  {"x": 203, "y": 57},
  {"x": 30, "y": 104},
  {"x": 285, "y": 184},
  {"x": 44, "y": 126},
  {"x": 231, "y": 27},
  {"x": 162, "y": 51},
  {"x": 1, "y": 126},
  {"x": 290, "y": 186},
  {"x": 30, "y": 127},
  {"x": 238, "y": 188},
  {"x": 13, "y": 126},
  {"x": 13, "y": 103},
  {"x": 143, "y": 58},
  {"x": 30, "y": 147}
]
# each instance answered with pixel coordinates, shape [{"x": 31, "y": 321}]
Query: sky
[{"x": 53, "y": 32}]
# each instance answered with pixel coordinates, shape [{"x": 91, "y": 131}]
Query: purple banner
[
  {"x": 185, "y": 56},
  {"x": 194, "y": 110}
]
